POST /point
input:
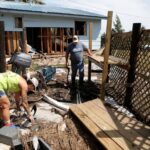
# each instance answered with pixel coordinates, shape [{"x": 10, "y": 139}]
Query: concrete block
[{"x": 8, "y": 134}]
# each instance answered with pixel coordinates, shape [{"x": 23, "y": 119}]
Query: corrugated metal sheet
[{"x": 46, "y": 9}]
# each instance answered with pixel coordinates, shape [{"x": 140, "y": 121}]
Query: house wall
[
  {"x": 96, "y": 35},
  {"x": 32, "y": 21},
  {"x": 45, "y": 21},
  {"x": 9, "y": 22},
  {"x": 50, "y": 21}
]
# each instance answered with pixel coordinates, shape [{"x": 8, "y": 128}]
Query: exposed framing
[{"x": 47, "y": 40}]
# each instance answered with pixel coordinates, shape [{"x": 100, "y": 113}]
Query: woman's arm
[{"x": 23, "y": 95}]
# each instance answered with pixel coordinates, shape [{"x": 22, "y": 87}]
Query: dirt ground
[{"x": 68, "y": 134}]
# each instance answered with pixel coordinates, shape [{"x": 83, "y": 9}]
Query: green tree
[
  {"x": 34, "y": 1},
  {"x": 103, "y": 36},
  {"x": 27, "y": 1},
  {"x": 117, "y": 25}
]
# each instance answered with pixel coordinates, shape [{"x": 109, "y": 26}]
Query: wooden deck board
[
  {"x": 94, "y": 129},
  {"x": 138, "y": 126},
  {"x": 130, "y": 136},
  {"x": 99, "y": 60},
  {"x": 116, "y": 127},
  {"x": 112, "y": 60},
  {"x": 111, "y": 132}
]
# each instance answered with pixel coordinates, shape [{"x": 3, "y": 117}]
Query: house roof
[{"x": 46, "y": 10}]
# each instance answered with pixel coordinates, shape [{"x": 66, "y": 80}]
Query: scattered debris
[
  {"x": 45, "y": 113},
  {"x": 52, "y": 123},
  {"x": 110, "y": 101}
]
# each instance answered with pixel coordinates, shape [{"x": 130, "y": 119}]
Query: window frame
[
  {"x": 18, "y": 22},
  {"x": 83, "y": 31}
]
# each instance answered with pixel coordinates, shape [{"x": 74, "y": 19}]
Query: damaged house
[{"x": 47, "y": 28}]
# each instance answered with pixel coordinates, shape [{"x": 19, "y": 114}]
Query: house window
[
  {"x": 80, "y": 28},
  {"x": 18, "y": 22}
]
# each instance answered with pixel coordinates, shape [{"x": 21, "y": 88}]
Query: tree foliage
[
  {"x": 103, "y": 39},
  {"x": 27, "y": 1},
  {"x": 117, "y": 25}
]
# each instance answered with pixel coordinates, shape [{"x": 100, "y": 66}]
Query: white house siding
[
  {"x": 45, "y": 21},
  {"x": 9, "y": 22},
  {"x": 50, "y": 21},
  {"x": 96, "y": 35}
]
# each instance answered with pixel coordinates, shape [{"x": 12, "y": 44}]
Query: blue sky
[{"x": 129, "y": 11}]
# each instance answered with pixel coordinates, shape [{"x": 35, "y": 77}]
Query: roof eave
[{"x": 51, "y": 14}]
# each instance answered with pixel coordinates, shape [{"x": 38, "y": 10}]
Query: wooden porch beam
[{"x": 106, "y": 53}]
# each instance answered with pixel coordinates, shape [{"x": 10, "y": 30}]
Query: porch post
[{"x": 132, "y": 61}]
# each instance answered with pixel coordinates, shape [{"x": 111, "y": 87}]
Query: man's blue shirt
[{"x": 76, "y": 52}]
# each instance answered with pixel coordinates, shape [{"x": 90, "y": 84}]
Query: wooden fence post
[
  {"x": 106, "y": 54},
  {"x": 2, "y": 48},
  {"x": 132, "y": 61},
  {"x": 25, "y": 49}
]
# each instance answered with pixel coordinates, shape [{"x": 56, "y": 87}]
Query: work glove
[{"x": 31, "y": 118}]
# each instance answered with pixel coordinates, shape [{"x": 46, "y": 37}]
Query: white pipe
[{"x": 55, "y": 103}]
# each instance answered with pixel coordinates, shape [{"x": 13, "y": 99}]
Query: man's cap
[
  {"x": 75, "y": 38},
  {"x": 35, "y": 82}
]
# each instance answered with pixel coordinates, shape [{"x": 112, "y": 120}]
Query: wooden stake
[
  {"x": 14, "y": 40},
  {"x": 48, "y": 45},
  {"x": 2, "y": 48},
  {"x": 61, "y": 40},
  {"x": 41, "y": 40},
  {"x": 25, "y": 40},
  {"x": 50, "y": 39},
  {"x": 9, "y": 44}
]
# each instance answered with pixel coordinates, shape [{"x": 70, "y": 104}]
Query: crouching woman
[{"x": 11, "y": 82}]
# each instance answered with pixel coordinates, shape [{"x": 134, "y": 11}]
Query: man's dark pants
[{"x": 75, "y": 67}]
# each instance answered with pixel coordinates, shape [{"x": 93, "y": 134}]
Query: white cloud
[{"x": 129, "y": 11}]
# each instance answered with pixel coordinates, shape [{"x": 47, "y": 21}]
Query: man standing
[
  {"x": 75, "y": 50},
  {"x": 13, "y": 83}
]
